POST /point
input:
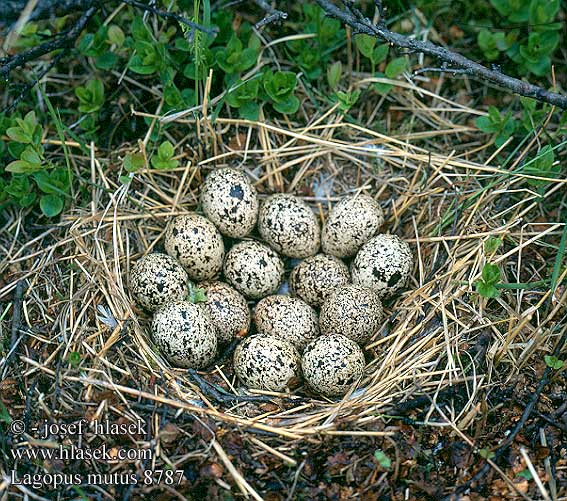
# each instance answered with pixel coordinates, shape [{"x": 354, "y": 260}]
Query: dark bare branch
[
  {"x": 62, "y": 41},
  {"x": 274, "y": 15},
  {"x": 360, "y": 24},
  {"x": 170, "y": 15}
]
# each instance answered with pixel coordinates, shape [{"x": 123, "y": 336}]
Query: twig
[
  {"x": 274, "y": 15},
  {"x": 10, "y": 10},
  {"x": 29, "y": 86},
  {"x": 220, "y": 395},
  {"x": 170, "y": 15},
  {"x": 60, "y": 42},
  {"x": 361, "y": 24}
]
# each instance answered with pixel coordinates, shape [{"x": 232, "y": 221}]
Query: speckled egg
[
  {"x": 229, "y": 200},
  {"x": 332, "y": 364},
  {"x": 266, "y": 362},
  {"x": 353, "y": 311},
  {"x": 195, "y": 242},
  {"x": 185, "y": 334},
  {"x": 157, "y": 278},
  {"x": 351, "y": 223},
  {"x": 289, "y": 226},
  {"x": 288, "y": 318},
  {"x": 316, "y": 277},
  {"x": 253, "y": 269},
  {"x": 228, "y": 309},
  {"x": 383, "y": 264}
]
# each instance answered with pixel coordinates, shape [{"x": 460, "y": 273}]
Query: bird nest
[{"x": 89, "y": 344}]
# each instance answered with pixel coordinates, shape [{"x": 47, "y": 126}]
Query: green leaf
[
  {"x": 396, "y": 67},
  {"x": 163, "y": 158},
  {"x": 249, "y": 111},
  {"x": 134, "y": 162},
  {"x": 51, "y": 205},
  {"x": 196, "y": 294},
  {"x": 492, "y": 244},
  {"x": 334, "y": 73},
  {"x": 526, "y": 474},
  {"x": 19, "y": 135},
  {"x": 491, "y": 274},
  {"x": 106, "y": 61},
  {"x": 116, "y": 35},
  {"x": 125, "y": 179},
  {"x": 553, "y": 362},
  {"x": 486, "y": 290},
  {"x": 165, "y": 150},
  {"x": 380, "y": 53},
  {"x": 279, "y": 85},
  {"x": 288, "y": 107},
  {"x": 542, "y": 166},
  {"x": 4, "y": 414},
  {"x": 383, "y": 460},
  {"x": 347, "y": 100},
  {"x": 365, "y": 44},
  {"x": 74, "y": 359},
  {"x": 91, "y": 96},
  {"x": 55, "y": 181},
  {"x": 381, "y": 88},
  {"x": 486, "y": 454}
]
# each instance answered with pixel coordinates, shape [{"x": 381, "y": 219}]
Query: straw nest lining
[{"x": 437, "y": 200}]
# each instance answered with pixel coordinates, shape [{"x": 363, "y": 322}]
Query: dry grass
[{"x": 443, "y": 191}]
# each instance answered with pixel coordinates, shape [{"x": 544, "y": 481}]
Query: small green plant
[
  {"x": 492, "y": 44},
  {"x": 163, "y": 158},
  {"x": 74, "y": 359},
  {"x": 314, "y": 55},
  {"x": 503, "y": 127},
  {"x": 543, "y": 165},
  {"x": 244, "y": 97},
  {"x": 133, "y": 162},
  {"x": 280, "y": 87},
  {"x": 531, "y": 50},
  {"x": 31, "y": 172},
  {"x": 490, "y": 277},
  {"x": 486, "y": 454},
  {"x": 553, "y": 362},
  {"x": 91, "y": 97},
  {"x": 526, "y": 474},
  {"x": 334, "y": 73},
  {"x": 492, "y": 244},
  {"x": 383, "y": 460},
  {"x": 234, "y": 57},
  {"x": 347, "y": 100},
  {"x": 366, "y": 44},
  {"x": 196, "y": 294}
]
